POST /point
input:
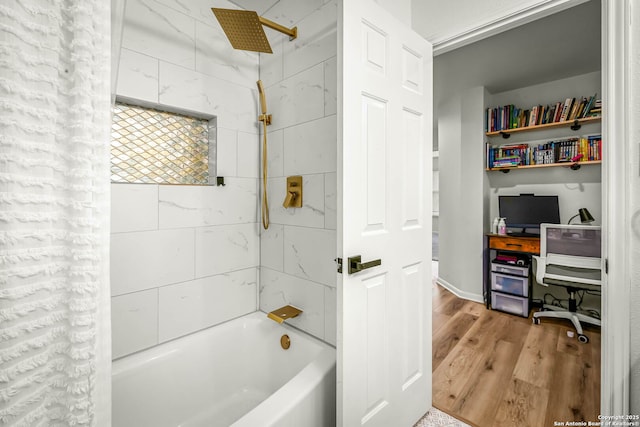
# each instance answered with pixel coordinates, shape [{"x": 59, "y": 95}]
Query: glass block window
[{"x": 158, "y": 147}]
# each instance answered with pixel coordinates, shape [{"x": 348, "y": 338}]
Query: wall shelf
[
  {"x": 505, "y": 133},
  {"x": 570, "y": 165}
]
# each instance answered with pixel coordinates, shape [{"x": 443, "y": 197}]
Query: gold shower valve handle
[
  {"x": 293, "y": 198},
  {"x": 288, "y": 200}
]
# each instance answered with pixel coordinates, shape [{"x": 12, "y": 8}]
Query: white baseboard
[{"x": 460, "y": 294}]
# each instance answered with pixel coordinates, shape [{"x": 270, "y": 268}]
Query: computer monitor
[{"x": 526, "y": 212}]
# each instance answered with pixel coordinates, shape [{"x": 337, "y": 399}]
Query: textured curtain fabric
[{"x": 54, "y": 212}]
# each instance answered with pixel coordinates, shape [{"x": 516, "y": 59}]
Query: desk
[{"x": 523, "y": 245}]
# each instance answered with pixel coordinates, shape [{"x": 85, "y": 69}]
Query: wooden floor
[{"x": 495, "y": 369}]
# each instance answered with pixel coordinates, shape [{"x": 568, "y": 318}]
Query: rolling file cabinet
[
  {"x": 508, "y": 285},
  {"x": 510, "y": 288}
]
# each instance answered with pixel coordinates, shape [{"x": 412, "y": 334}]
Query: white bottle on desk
[
  {"x": 502, "y": 226},
  {"x": 494, "y": 226}
]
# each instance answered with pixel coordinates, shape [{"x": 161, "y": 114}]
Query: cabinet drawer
[
  {"x": 510, "y": 304},
  {"x": 516, "y": 285},
  {"x": 517, "y": 270},
  {"x": 518, "y": 244}
]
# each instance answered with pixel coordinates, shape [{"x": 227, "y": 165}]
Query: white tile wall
[
  {"x": 299, "y": 98},
  {"x": 272, "y": 247},
  {"x": 275, "y": 155},
  {"x": 216, "y": 57},
  {"x": 290, "y": 12},
  {"x": 317, "y": 42},
  {"x": 198, "y": 9},
  {"x": 141, "y": 202},
  {"x": 271, "y": 64},
  {"x": 148, "y": 259},
  {"x": 226, "y": 248},
  {"x": 134, "y": 322},
  {"x": 330, "y": 315},
  {"x": 189, "y": 249},
  {"x": 235, "y": 106},
  {"x": 330, "y": 200},
  {"x": 309, "y": 253},
  {"x": 205, "y": 302},
  {"x": 259, "y": 6},
  {"x": 199, "y": 206},
  {"x": 278, "y": 289},
  {"x": 227, "y": 145},
  {"x": 298, "y": 250},
  {"x": 311, "y": 147},
  {"x": 249, "y": 147},
  {"x": 331, "y": 86},
  {"x": 138, "y": 76},
  {"x": 159, "y": 31},
  {"x": 186, "y": 257}
]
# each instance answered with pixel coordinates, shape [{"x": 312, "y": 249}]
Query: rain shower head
[{"x": 244, "y": 29}]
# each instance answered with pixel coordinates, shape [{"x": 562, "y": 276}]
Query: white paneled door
[{"x": 384, "y": 212}]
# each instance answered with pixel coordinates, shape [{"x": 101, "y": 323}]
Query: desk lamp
[{"x": 585, "y": 216}]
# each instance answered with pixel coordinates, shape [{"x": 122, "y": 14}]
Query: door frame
[{"x": 615, "y": 36}]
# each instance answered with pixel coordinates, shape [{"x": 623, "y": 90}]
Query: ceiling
[{"x": 558, "y": 46}]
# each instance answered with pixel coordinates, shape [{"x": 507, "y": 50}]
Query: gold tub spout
[{"x": 284, "y": 313}]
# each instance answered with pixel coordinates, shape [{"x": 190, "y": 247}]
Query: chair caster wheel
[
  {"x": 583, "y": 338},
  {"x": 536, "y": 321}
]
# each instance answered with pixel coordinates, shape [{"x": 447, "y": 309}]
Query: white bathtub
[{"x": 231, "y": 374}]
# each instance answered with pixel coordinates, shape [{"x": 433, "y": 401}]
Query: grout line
[{"x": 188, "y": 280}]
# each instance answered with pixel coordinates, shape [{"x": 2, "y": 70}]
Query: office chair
[{"x": 569, "y": 257}]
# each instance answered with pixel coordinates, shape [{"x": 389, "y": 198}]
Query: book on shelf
[
  {"x": 565, "y": 109},
  {"x": 571, "y": 150},
  {"x": 507, "y": 117}
]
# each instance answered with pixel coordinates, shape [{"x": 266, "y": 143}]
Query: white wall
[
  {"x": 185, "y": 257},
  {"x": 460, "y": 133},
  {"x": 634, "y": 208},
  {"x": 299, "y": 247},
  {"x": 575, "y": 189}
]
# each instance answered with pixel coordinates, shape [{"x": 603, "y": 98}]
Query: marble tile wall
[
  {"x": 186, "y": 257},
  {"x": 298, "y": 250}
]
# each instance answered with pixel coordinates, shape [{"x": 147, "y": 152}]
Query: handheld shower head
[
  {"x": 263, "y": 100},
  {"x": 266, "y": 120}
]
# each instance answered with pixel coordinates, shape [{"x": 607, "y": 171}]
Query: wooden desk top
[{"x": 528, "y": 244}]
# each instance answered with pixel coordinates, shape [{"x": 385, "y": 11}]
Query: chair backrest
[{"x": 571, "y": 252}]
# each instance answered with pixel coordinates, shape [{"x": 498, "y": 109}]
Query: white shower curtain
[{"x": 54, "y": 212}]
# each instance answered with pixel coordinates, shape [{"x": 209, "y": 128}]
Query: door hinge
[
  {"x": 606, "y": 265},
  {"x": 339, "y": 262}
]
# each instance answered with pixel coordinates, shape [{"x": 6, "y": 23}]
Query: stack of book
[
  {"x": 512, "y": 117},
  {"x": 587, "y": 148}
]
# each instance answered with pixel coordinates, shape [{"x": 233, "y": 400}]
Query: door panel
[{"x": 384, "y": 208}]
